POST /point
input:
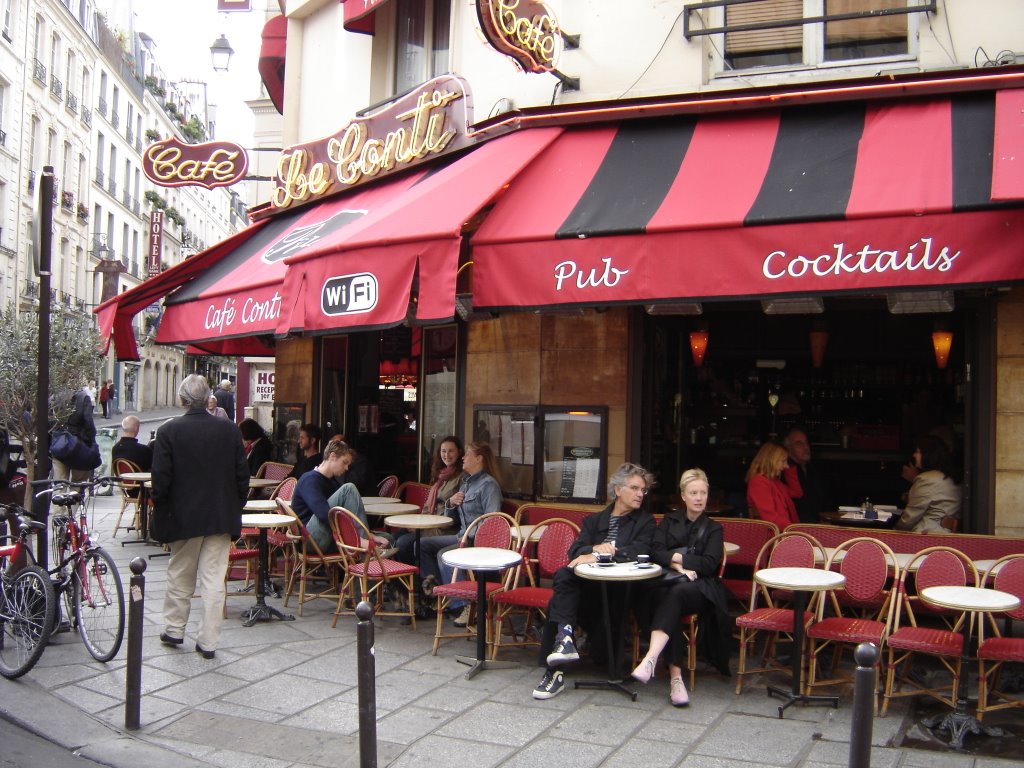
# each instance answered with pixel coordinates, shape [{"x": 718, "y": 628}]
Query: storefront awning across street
[{"x": 833, "y": 198}]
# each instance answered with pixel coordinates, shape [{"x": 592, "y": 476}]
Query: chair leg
[{"x": 441, "y": 602}]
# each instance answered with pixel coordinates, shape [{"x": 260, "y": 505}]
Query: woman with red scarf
[{"x": 445, "y": 476}]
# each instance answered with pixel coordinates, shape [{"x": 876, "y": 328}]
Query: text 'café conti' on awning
[{"x": 683, "y": 198}]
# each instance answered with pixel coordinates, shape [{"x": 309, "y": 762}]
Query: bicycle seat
[{"x": 69, "y": 499}]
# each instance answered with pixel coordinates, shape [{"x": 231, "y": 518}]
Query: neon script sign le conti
[{"x": 420, "y": 126}]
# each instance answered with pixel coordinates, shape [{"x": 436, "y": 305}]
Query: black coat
[
  {"x": 137, "y": 453},
  {"x": 636, "y": 533},
  {"x": 701, "y": 545},
  {"x": 80, "y": 423},
  {"x": 200, "y": 478},
  {"x": 262, "y": 451}
]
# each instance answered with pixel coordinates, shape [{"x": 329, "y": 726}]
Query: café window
[
  {"x": 547, "y": 452},
  {"x": 422, "y": 34},
  {"x": 769, "y": 38}
]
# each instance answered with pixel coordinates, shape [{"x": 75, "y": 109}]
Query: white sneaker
[{"x": 463, "y": 618}]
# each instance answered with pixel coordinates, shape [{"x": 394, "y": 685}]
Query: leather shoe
[
  {"x": 205, "y": 653},
  {"x": 644, "y": 671},
  {"x": 171, "y": 641},
  {"x": 679, "y": 696}
]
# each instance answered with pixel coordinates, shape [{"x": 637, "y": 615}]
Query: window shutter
[
  {"x": 755, "y": 40},
  {"x": 853, "y": 30}
]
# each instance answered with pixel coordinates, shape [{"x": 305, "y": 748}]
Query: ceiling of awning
[
  {"x": 272, "y": 57},
  {"x": 868, "y": 195}
]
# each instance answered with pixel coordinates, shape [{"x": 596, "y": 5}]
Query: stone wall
[{"x": 1009, "y": 417}]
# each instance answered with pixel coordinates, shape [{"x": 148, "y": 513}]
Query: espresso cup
[
  {"x": 643, "y": 559},
  {"x": 603, "y": 557}
]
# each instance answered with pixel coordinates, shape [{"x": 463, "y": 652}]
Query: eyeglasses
[{"x": 642, "y": 490}]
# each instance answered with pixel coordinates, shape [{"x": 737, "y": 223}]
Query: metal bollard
[
  {"x": 133, "y": 670},
  {"x": 866, "y": 656},
  {"x": 366, "y": 674}
]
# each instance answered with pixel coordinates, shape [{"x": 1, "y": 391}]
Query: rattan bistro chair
[
  {"x": 130, "y": 494},
  {"x": 311, "y": 566},
  {"x": 995, "y": 649}
]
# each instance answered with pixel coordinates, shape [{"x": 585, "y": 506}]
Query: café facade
[{"x": 669, "y": 279}]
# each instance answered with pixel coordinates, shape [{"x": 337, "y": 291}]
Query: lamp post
[
  {"x": 43, "y": 244},
  {"x": 220, "y": 54}
]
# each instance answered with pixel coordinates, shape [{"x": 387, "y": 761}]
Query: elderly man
[
  {"x": 129, "y": 447},
  {"x": 226, "y": 398},
  {"x": 200, "y": 483},
  {"x": 806, "y": 485}
]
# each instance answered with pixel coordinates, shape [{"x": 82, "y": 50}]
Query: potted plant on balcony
[
  {"x": 152, "y": 134},
  {"x": 82, "y": 213},
  {"x": 67, "y": 200}
]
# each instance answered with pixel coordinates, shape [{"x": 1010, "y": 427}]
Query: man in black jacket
[
  {"x": 200, "y": 484},
  {"x": 129, "y": 447}
]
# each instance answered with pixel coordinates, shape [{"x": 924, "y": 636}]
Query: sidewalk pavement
[{"x": 283, "y": 695}]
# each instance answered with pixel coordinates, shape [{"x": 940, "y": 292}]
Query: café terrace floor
[{"x": 284, "y": 694}]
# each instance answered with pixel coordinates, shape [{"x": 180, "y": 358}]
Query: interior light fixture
[
  {"x": 698, "y": 346},
  {"x": 800, "y": 305},
  {"x": 942, "y": 342},
  {"x": 682, "y": 308},
  {"x": 913, "y": 302}
]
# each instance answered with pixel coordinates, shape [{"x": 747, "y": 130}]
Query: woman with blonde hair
[
  {"x": 688, "y": 545},
  {"x": 767, "y": 496}
]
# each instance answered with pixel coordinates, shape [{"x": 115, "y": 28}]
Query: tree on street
[{"x": 73, "y": 356}]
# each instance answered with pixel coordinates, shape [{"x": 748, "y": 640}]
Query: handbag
[{"x": 62, "y": 443}]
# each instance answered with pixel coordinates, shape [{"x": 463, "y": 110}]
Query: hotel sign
[
  {"x": 524, "y": 30},
  {"x": 429, "y": 122},
  {"x": 173, "y": 163}
]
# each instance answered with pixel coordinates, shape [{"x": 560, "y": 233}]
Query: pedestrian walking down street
[{"x": 200, "y": 484}]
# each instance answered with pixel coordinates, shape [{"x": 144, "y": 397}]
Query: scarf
[{"x": 446, "y": 474}]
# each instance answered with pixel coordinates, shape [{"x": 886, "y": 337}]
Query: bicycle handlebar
[{"x": 51, "y": 485}]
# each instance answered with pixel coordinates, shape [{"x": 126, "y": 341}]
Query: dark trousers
[
  {"x": 577, "y": 601},
  {"x": 672, "y": 601}
]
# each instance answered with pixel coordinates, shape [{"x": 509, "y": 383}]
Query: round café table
[
  {"x": 387, "y": 510},
  {"x": 614, "y": 573},
  {"x": 419, "y": 523},
  {"x": 263, "y": 482},
  {"x": 380, "y": 500},
  {"x": 802, "y": 582},
  {"x": 973, "y": 600},
  {"x": 481, "y": 560},
  {"x": 261, "y": 611}
]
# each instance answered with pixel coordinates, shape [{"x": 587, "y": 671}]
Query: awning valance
[
  {"x": 272, "y": 57},
  {"x": 812, "y": 199},
  {"x": 360, "y": 16}
]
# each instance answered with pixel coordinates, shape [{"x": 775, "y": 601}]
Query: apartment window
[
  {"x": 51, "y": 147},
  {"x": 8, "y": 20},
  {"x": 421, "y": 41},
  {"x": 83, "y": 175},
  {"x": 850, "y": 40}
]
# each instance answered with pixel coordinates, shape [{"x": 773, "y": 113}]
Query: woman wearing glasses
[
  {"x": 622, "y": 530},
  {"x": 688, "y": 545}
]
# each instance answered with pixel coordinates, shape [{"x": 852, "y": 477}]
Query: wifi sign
[{"x": 349, "y": 294}]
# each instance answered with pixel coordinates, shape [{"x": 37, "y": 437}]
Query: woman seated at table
[
  {"x": 479, "y": 493},
  {"x": 316, "y": 492},
  {"x": 445, "y": 477},
  {"x": 934, "y": 494},
  {"x": 257, "y": 447},
  {"x": 767, "y": 496},
  {"x": 688, "y": 545}
]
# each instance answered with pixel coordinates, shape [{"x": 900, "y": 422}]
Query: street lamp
[{"x": 220, "y": 54}]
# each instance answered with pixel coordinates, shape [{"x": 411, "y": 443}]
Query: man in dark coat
[
  {"x": 200, "y": 484},
  {"x": 129, "y": 447},
  {"x": 80, "y": 424},
  {"x": 226, "y": 398}
]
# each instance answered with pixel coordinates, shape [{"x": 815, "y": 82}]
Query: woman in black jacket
[{"x": 689, "y": 547}]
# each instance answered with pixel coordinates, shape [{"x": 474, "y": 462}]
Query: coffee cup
[
  {"x": 643, "y": 559},
  {"x": 604, "y": 558}
]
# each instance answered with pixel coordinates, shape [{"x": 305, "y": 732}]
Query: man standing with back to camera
[{"x": 200, "y": 483}]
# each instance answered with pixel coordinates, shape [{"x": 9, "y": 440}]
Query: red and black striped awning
[{"x": 826, "y": 198}]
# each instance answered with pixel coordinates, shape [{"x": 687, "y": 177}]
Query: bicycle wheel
[
  {"x": 99, "y": 604},
  {"x": 26, "y": 618}
]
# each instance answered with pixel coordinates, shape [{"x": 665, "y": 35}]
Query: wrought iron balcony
[
  {"x": 129, "y": 135},
  {"x": 39, "y": 72},
  {"x": 56, "y": 88},
  {"x": 87, "y": 117},
  {"x": 99, "y": 176},
  {"x": 102, "y": 107},
  {"x": 115, "y": 119},
  {"x": 112, "y": 187},
  {"x": 71, "y": 105},
  {"x": 31, "y": 181}
]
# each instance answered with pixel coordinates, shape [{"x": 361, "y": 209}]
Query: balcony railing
[
  {"x": 129, "y": 135},
  {"x": 39, "y": 72},
  {"x": 115, "y": 119},
  {"x": 112, "y": 187},
  {"x": 3, "y": 138},
  {"x": 138, "y": 145},
  {"x": 31, "y": 181},
  {"x": 126, "y": 199},
  {"x": 87, "y": 117},
  {"x": 71, "y": 105},
  {"x": 99, "y": 176},
  {"x": 56, "y": 88},
  {"x": 102, "y": 107},
  {"x": 31, "y": 289},
  {"x": 136, "y": 208}
]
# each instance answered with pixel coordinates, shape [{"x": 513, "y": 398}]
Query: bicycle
[
  {"x": 85, "y": 574},
  {"x": 27, "y": 599}
]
